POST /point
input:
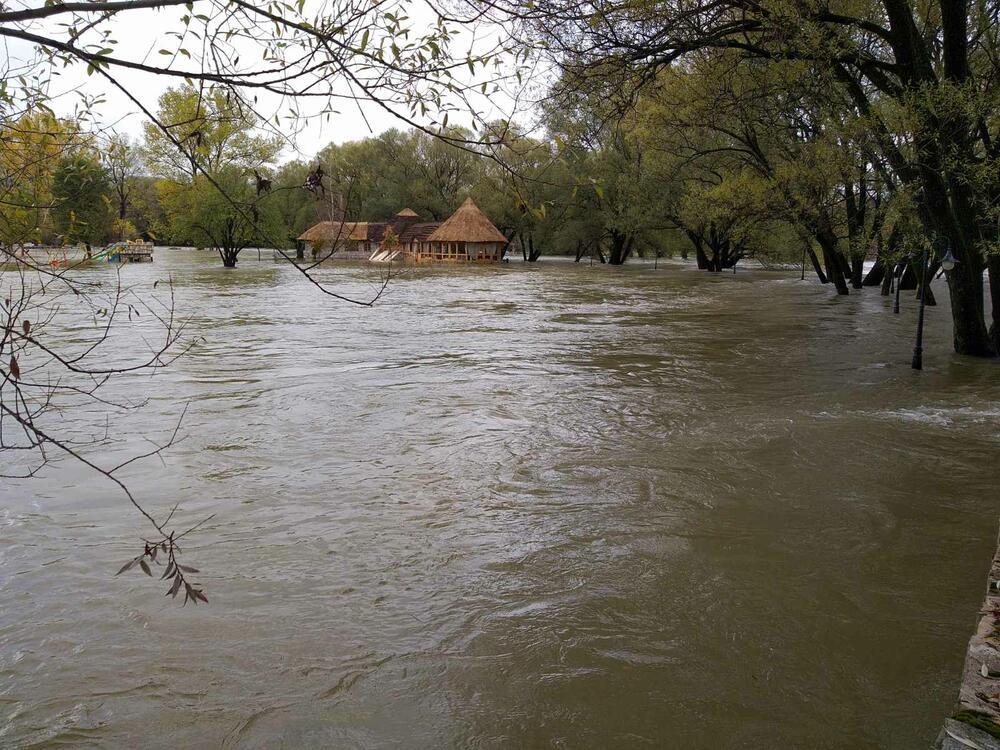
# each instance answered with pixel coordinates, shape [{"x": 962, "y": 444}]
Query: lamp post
[
  {"x": 918, "y": 346},
  {"x": 948, "y": 262},
  {"x": 897, "y": 272}
]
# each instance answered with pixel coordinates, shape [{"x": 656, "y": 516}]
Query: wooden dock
[{"x": 130, "y": 252}]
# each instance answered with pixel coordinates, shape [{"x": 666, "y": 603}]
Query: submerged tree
[
  {"x": 208, "y": 214},
  {"x": 921, "y": 77},
  {"x": 81, "y": 192}
]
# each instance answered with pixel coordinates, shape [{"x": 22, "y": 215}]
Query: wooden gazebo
[
  {"x": 466, "y": 235},
  {"x": 347, "y": 239}
]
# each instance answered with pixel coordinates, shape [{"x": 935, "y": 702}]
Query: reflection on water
[{"x": 558, "y": 506}]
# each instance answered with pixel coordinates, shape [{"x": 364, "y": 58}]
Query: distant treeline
[{"x": 560, "y": 194}]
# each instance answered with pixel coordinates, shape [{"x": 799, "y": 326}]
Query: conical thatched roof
[
  {"x": 467, "y": 224},
  {"x": 402, "y": 220},
  {"x": 328, "y": 231}
]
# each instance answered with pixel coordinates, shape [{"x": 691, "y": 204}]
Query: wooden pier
[{"x": 129, "y": 252}]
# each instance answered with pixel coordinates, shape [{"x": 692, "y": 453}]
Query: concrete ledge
[
  {"x": 975, "y": 724},
  {"x": 957, "y": 735}
]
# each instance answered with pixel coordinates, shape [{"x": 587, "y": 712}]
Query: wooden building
[
  {"x": 465, "y": 236},
  {"x": 347, "y": 240},
  {"x": 468, "y": 235}
]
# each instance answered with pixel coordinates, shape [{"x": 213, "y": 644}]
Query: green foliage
[
  {"x": 220, "y": 211},
  {"x": 208, "y": 130},
  {"x": 979, "y": 720},
  {"x": 81, "y": 191},
  {"x": 123, "y": 229},
  {"x": 29, "y": 147}
]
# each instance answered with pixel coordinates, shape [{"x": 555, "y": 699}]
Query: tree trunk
[
  {"x": 875, "y": 276},
  {"x": 950, "y": 216},
  {"x": 506, "y": 245},
  {"x": 833, "y": 260},
  {"x": 229, "y": 255},
  {"x": 857, "y": 268},
  {"x": 932, "y": 270},
  {"x": 815, "y": 262},
  {"x": 965, "y": 284},
  {"x": 621, "y": 245},
  {"x": 579, "y": 251},
  {"x": 908, "y": 280},
  {"x": 887, "y": 282},
  {"x": 533, "y": 254},
  {"x": 855, "y": 206},
  {"x": 993, "y": 264}
]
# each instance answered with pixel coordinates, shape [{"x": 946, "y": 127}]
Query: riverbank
[{"x": 976, "y": 721}]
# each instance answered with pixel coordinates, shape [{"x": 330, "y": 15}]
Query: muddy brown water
[{"x": 519, "y": 507}]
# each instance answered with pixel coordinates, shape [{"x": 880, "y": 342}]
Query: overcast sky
[{"x": 140, "y": 34}]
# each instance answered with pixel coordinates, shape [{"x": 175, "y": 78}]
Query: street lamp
[
  {"x": 897, "y": 272},
  {"x": 948, "y": 262}
]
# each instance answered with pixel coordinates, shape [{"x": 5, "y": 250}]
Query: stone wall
[{"x": 975, "y": 724}]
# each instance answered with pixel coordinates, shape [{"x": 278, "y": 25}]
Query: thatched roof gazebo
[
  {"x": 468, "y": 224},
  {"x": 465, "y": 235}
]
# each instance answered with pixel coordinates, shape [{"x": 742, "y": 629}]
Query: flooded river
[{"x": 519, "y": 507}]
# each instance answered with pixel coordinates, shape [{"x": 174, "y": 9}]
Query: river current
[{"x": 532, "y": 506}]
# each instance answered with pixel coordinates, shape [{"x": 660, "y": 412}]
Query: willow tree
[
  {"x": 205, "y": 129},
  {"x": 607, "y": 163},
  {"x": 30, "y": 146},
  {"x": 525, "y": 188},
  {"x": 922, "y": 75},
  {"x": 82, "y": 190}
]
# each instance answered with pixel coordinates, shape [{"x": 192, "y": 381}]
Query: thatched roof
[
  {"x": 467, "y": 224},
  {"x": 402, "y": 220},
  {"x": 376, "y": 231},
  {"x": 419, "y": 232},
  {"x": 328, "y": 231}
]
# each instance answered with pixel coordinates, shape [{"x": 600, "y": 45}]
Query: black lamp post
[
  {"x": 918, "y": 347},
  {"x": 948, "y": 262},
  {"x": 898, "y": 273}
]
